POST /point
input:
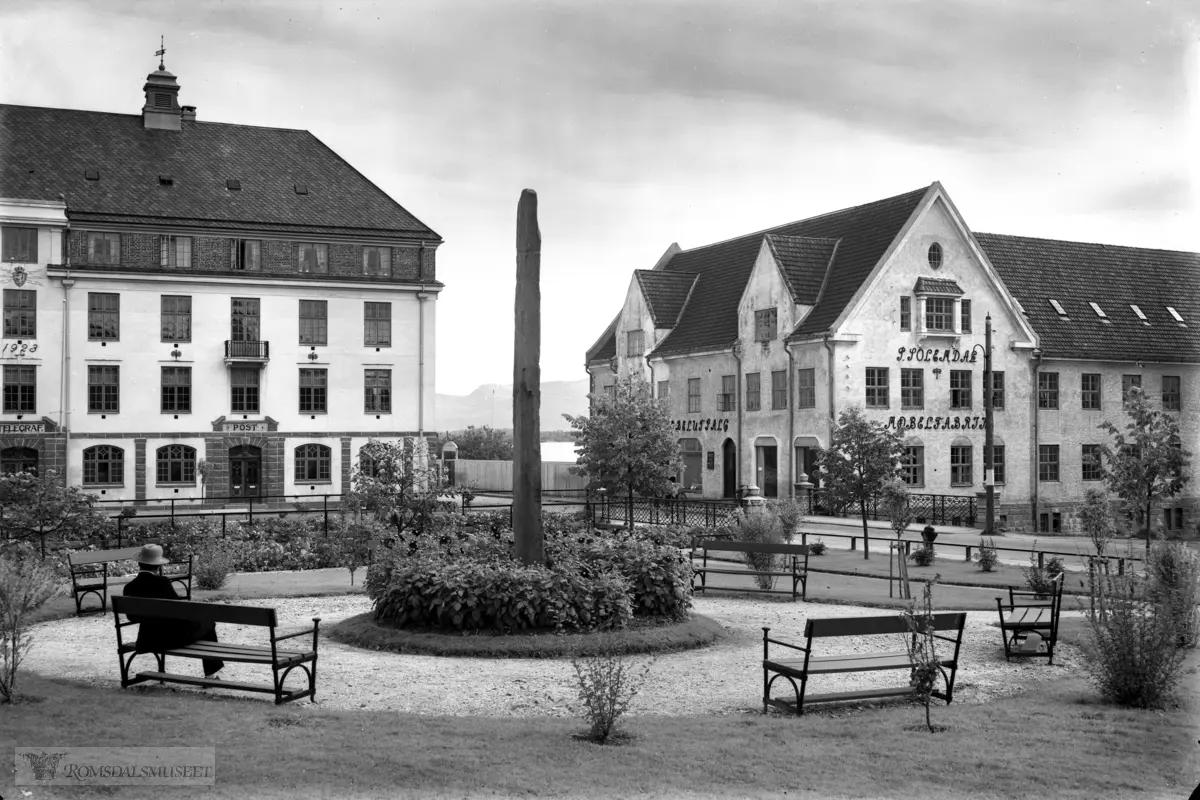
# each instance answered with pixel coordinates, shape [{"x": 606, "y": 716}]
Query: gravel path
[{"x": 722, "y": 679}]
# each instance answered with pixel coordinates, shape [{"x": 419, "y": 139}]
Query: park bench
[
  {"x": 796, "y": 568},
  {"x": 1030, "y": 619},
  {"x": 281, "y": 661},
  {"x": 89, "y": 575},
  {"x": 801, "y": 669}
]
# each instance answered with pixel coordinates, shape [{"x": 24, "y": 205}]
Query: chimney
[{"x": 189, "y": 114}]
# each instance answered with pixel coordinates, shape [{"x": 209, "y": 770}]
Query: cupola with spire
[{"x": 161, "y": 111}]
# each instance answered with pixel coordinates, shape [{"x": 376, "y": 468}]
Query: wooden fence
[{"x": 497, "y": 475}]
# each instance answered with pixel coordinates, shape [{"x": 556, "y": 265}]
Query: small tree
[
  {"x": 1096, "y": 518},
  {"x": 1146, "y": 461},
  {"x": 896, "y": 501},
  {"x": 396, "y": 484},
  {"x": 922, "y": 648},
  {"x": 861, "y": 458},
  {"x": 627, "y": 444},
  {"x": 25, "y": 584},
  {"x": 40, "y": 506},
  {"x": 482, "y": 444}
]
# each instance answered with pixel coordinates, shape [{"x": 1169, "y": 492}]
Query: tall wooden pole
[
  {"x": 527, "y": 392},
  {"x": 989, "y": 467}
]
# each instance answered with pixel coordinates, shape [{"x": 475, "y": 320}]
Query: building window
[
  {"x": 964, "y": 315},
  {"x": 103, "y": 465},
  {"x": 377, "y": 384},
  {"x": 634, "y": 344},
  {"x": 725, "y": 400},
  {"x": 664, "y": 390},
  {"x": 244, "y": 320},
  {"x": 245, "y": 254},
  {"x": 20, "y": 314},
  {"x": 1129, "y": 382},
  {"x": 18, "y": 459},
  {"x": 312, "y": 463},
  {"x": 806, "y": 388},
  {"x": 1171, "y": 392},
  {"x": 104, "y": 316},
  {"x": 177, "y": 390},
  {"x": 998, "y": 390},
  {"x": 753, "y": 391},
  {"x": 935, "y": 256},
  {"x": 693, "y": 395},
  {"x": 906, "y": 313},
  {"x": 960, "y": 465},
  {"x": 877, "y": 387},
  {"x": 176, "y": 318},
  {"x": 377, "y": 262},
  {"x": 104, "y": 248},
  {"x": 176, "y": 464},
  {"x": 1047, "y": 462},
  {"x": 939, "y": 314},
  {"x": 912, "y": 465},
  {"x": 998, "y": 463},
  {"x": 314, "y": 321},
  {"x": 912, "y": 388},
  {"x": 377, "y": 321},
  {"x": 610, "y": 391},
  {"x": 1173, "y": 519},
  {"x": 1048, "y": 390},
  {"x": 313, "y": 257},
  {"x": 243, "y": 389},
  {"x": 766, "y": 323},
  {"x": 960, "y": 388},
  {"x": 104, "y": 389},
  {"x": 692, "y": 455},
  {"x": 20, "y": 244},
  {"x": 313, "y": 391},
  {"x": 1093, "y": 470},
  {"x": 779, "y": 389},
  {"x": 20, "y": 389},
  {"x": 1089, "y": 386},
  {"x": 1050, "y": 523},
  {"x": 175, "y": 252}
]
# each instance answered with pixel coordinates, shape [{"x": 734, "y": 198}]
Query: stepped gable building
[
  {"x": 197, "y": 306},
  {"x": 758, "y": 342}
]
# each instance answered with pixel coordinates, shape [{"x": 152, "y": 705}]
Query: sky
[{"x": 642, "y": 124}]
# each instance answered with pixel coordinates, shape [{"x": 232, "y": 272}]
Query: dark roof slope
[
  {"x": 666, "y": 293},
  {"x": 804, "y": 261},
  {"x": 606, "y": 347},
  {"x": 1076, "y": 273},
  {"x": 710, "y": 319},
  {"x": 45, "y": 151}
]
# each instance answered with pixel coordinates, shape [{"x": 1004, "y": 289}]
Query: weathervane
[{"x": 161, "y": 51}]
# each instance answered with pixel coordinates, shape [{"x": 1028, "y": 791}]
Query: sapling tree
[
  {"x": 396, "y": 484},
  {"x": 922, "y": 650},
  {"x": 39, "y": 506}
]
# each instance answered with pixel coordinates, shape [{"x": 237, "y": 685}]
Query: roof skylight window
[
  {"x": 91, "y": 174},
  {"x": 233, "y": 185},
  {"x": 1140, "y": 314},
  {"x": 166, "y": 180},
  {"x": 1099, "y": 312},
  {"x": 1058, "y": 307},
  {"x": 1175, "y": 314},
  {"x": 301, "y": 188}
]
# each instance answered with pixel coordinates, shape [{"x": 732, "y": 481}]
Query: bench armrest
[
  {"x": 768, "y": 640},
  {"x": 305, "y": 632}
]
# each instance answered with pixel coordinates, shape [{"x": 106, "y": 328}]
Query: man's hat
[{"x": 151, "y": 555}]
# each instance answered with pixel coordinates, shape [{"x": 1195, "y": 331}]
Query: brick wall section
[
  {"x": 278, "y": 258},
  {"x": 210, "y": 253},
  {"x": 345, "y": 260},
  {"x": 405, "y": 263},
  {"x": 346, "y": 456},
  {"x": 139, "y": 470},
  {"x": 51, "y": 449},
  {"x": 428, "y": 268}
]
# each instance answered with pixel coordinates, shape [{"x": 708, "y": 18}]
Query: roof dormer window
[{"x": 1058, "y": 307}]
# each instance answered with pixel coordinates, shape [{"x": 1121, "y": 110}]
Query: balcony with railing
[{"x": 253, "y": 351}]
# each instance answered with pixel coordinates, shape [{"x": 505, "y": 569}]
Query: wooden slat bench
[
  {"x": 1026, "y": 613},
  {"x": 801, "y": 669},
  {"x": 281, "y": 661},
  {"x": 89, "y": 575},
  {"x": 796, "y": 562}
]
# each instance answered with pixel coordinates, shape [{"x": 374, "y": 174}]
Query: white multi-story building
[
  {"x": 759, "y": 341},
  {"x": 187, "y": 299}
]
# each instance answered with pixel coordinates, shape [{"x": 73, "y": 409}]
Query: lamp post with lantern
[{"x": 989, "y": 474}]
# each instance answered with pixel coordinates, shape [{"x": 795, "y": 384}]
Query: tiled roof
[
  {"x": 710, "y": 319},
  {"x": 666, "y": 293},
  {"x": 804, "y": 261},
  {"x": 936, "y": 286},
  {"x": 1076, "y": 273},
  {"x": 45, "y": 151},
  {"x": 606, "y": 347}
]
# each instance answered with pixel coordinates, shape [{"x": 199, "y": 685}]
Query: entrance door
[
  {"x": 245, "y": 471},
  {"x": 729, "y": 469},
  {"x": 767, "y": 463}
]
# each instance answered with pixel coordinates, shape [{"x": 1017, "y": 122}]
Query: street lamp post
[{"x": 989, "y": 475}]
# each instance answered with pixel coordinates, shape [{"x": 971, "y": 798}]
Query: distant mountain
[{"x": 491, "y": 404}]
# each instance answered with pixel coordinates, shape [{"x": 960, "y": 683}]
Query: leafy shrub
[
  {"x": 790, "y": 515},
  {"x": 1134, "y": 659},
  {"x": 922, "y": 556},
  {"x": 659, "y": 576},
  {"x": 26, "y": 582},
  {"x": 1041, "y": 579},
  {"x": 818, "y": 548},
  {"x": 607, "y": 685},
  {"x": 988, "y": 559},
  {"x": 1096, "y": 518},
  {"x": 762, "y": 527},
  {"x": 212, "y": 566},
  {"x": 1174, "y": 572}
]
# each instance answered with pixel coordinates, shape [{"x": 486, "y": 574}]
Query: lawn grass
[{"x": 1054, "y": 740}]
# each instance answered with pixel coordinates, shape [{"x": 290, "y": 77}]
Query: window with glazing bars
[
  {"x": 1172, "y": 394},
  {"x": 912, "y": 388},
  {"x": 693, "y": 395},
  {"x": 960, "y": 465},
  {"x": 965, "y": 315},
  {"x": 104, "y": 248},
  {"x": 877, "y": 387},
  {"x": 314, "y": 321},
  {"x": 103, "y": 464},
  {"x": 175, "y": 252},
  {"x": 20, "y": 314},
  {"x": 313, "y": 390},
  {"x": 1093, "y": 467},
  {"x": 244, "y": 320},
  {"x": 1047, "y": 462},
  {"x": 243, "y": 389},
  {"x": 634, "y": 344},
  {"x": 176, "y": 463},
  {"x": 912, "y": 465},
  {"x": 766, "y": 325},
  {"x": 378, "y": 388},
  {"x": 960, "y": 388},
  {"x": 377, "y": 262},
  {"x": 20, "y": 389},
  {"x": 1089, "y": 390},
  {"x": 1048, "y": 390},
  {"x": 998, "y": 390},
  {"x": 725, "y": 400},
  {"x": 176, "y": 318},
  {"x": 177, "y": 390},
  {"x": 245, "y": 254},
  {"x": 779, "y": 389},
  {"x": 378, "y": 324},
  {"x": 1129, "y": 382},
  {"x": 753, "y": 392},
  {"x": 104, "y": 388},
  {"x": 104, "y": 316},
  {"x": 20, "y": 244},
  {"x": 806, "y": 388},
  {"x": 313, "y": 463},
  {"x": 998, "y": 463},
  {"x": 664, "y": 390},
  {"x": 906, "y": 313},
  {"x": 313, "y": 257},
  {"x": 939, "y": 314}
]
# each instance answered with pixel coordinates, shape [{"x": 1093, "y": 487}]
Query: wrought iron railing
[
  {"x": 253, "y": 349},
  {"x": 927, "y": 509}
]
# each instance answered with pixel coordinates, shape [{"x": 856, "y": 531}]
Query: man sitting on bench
[{"x": 155, "y": 636}]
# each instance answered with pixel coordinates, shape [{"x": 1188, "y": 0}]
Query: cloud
[{"x": 1164, "y": 192}]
